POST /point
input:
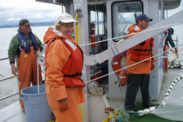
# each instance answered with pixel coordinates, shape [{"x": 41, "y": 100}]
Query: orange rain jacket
[
  {"x": 73, "y": 67},
  {"x": 141, "y": 68},
  {"x": 57, "y": 56}
]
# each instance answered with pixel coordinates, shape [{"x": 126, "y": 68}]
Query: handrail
[
  {"x": 3, "y": 58},
  {"x": 12, "y": 76},
  {"x": 8, "y": 96}
]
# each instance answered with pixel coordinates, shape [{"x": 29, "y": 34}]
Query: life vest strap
[
  {"x": 74, "y": 75},
  {"x": 24, "y": 44},
  {"x": 142, "y": 50}
]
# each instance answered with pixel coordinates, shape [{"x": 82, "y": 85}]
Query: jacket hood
[
  {"x": 51, "y": 34},
  {"x": 132, "y": 28}
]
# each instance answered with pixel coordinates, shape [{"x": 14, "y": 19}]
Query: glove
[
  {"x": 152, "y": 65},
  {"x": 64, "y": 105},
  {"x": 176, "y": 51}
]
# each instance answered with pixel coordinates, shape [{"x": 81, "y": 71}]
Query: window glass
[
  {"x": 98, "y": 19},
  {"x": 160, "y": 11},
  {"x": 100, "y": 23},
  {"x": 123, "y": 15}
]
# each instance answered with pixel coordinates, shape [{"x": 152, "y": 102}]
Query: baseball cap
[
  {"x": 143, "y": 17},
  {"x": 65, "y": 18},
  {"x": 24, "y": 22}
]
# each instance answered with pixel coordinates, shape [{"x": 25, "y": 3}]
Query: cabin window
[
  {"x": 98, "y": 19},
  {"x": 164, "y": 13},
  {"x": 123, "y": 15},
  {"x": 160, "y": 12}
]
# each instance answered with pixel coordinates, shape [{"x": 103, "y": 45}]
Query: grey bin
[{"x": 36, "y": 105}]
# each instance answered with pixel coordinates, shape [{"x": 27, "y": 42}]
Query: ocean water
[{"x": 10, "y": 86}]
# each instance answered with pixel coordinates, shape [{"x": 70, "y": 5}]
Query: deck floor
[
  {"x": 13, "y": 112},
  {"x": 168, "y": 79}
]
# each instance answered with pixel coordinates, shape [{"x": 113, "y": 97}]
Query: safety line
[
  {"x": 131, "y": 65},
  {"x": 129, "y": 34}
]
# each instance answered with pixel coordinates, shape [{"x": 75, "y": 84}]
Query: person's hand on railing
[{"x": 14, "y": 69}]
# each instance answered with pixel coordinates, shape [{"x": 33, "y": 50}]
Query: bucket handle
[{"x": 22, "y": 97}]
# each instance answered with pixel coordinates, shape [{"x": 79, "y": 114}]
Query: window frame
[{"x": 113, "y": 15}]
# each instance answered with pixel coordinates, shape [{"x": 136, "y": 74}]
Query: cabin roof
[{"x": 169, "y": 4}]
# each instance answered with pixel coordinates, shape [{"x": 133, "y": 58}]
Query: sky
[{"x": 12, "y": 11}]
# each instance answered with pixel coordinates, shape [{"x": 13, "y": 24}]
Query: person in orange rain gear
[
  {"x": 24, "y": 45},
  {"x": 139, "y": 74},
  {"x": 64, "y": 62}
]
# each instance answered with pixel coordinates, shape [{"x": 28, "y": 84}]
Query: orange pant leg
[{"x": 24, "y": 77}]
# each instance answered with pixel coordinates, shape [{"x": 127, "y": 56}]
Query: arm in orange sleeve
[{"x": 57, "y": 57}]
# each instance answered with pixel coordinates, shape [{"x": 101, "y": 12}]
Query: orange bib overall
[{"x": 27, "y": 70}]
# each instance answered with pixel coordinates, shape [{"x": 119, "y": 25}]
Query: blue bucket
[{"x": 36, "y": 105}]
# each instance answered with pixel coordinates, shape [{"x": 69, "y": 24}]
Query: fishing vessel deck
[
  {"x": 14, "y": 113},
  {"x": 116, "y": 10}
]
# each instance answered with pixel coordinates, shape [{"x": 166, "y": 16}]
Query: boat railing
[
  {"x": 6, "y": 78},
  {"x": 3, "y": 58}
]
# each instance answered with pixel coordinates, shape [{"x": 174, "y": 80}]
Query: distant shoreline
[
  {"x": 45, "y": 24},
  {"x": 33, "y": 25}
]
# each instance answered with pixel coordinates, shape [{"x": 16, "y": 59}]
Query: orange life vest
[
  {"x": 72, "y": 70},
  {"x": 144, "y": 52}
]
